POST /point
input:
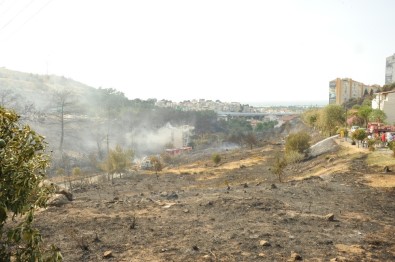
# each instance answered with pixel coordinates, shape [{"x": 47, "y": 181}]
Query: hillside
[
  {"x": 82, "y": 123},
  {"x": 334, "y": 207},
  {"x": 37, "y": 88},
  {"x": 89, "y": 114}
]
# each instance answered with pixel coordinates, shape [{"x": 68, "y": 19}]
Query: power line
[
  {"x": 31, "y": 17},
  {"x": 2, "y": 2},
  {"x": 5, "y": 11},
  {"x": 36, "y": 13},
  {"x": 17, "y": 14}
]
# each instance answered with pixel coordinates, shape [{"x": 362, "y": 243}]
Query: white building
[
  {"x": 390, "y": 70},
  {"x": 386, "y": 102}
]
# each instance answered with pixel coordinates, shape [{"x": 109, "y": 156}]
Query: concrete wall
[{"x": 386, "y": 102}]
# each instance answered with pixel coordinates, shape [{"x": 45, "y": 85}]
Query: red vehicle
[{"x": 376, "y": 128}]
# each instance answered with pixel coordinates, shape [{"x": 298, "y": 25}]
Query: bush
[
  {"x": 167, "y": 159},
  {"x": 293, "y": 157},
  {"x": 278, "y": 166},
  {"x": 23, "y": 164},
  {"x": 156, "y": 164},
  {"x": 391, "y": 145},
  {"x": 298, "y": 142},
  {"x": 371, "y": 143},
  {"x": 76, "y": 172},
  {"x": 359, "y": 134},
  {"x": 216, "y": 159}
]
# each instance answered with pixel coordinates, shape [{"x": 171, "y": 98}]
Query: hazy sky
[{"x": 246, "y": 51}]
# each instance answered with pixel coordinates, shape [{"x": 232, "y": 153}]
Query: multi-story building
[
  {"x": 343, "y": 89},
  {"x": 385, "y": 101},
  {"x": 390, "y": 70}
]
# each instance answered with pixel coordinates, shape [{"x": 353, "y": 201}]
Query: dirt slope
[{"x": 237, "y": 211}]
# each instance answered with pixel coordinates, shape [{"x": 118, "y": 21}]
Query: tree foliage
[
  {"x": 22, "y": 169},
  {"x": 311, "y": 116},
  {"x": 262, "y": 126},
  {"x": 359, "y": 135},
  {"x": 278, "y": 166},
  {"x": 156, "y": 164},
  {"x": 238, "y": 126},
  {"x": 377, "y": 115},
  {"x": 205, "y": 122},
  {"x": 118, "y": 161},
  {"x": 250, "y": 139},
  {"x": 216, "y": 158},
  {"x": 364, "y": 112},
  {"x": 110, "y": 102},
  {"x": 298, "y": 142},
  {"x": 330, "y": 118},
  {"x": 388, "y": 87}
]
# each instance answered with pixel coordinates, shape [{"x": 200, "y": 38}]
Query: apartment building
[
  {"x": 390, "y": 70},
  {"x": 385, "y": 101},
  {"x": 343, "y": 89}
]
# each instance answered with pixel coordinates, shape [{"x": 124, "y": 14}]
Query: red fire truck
[{"x": 376, "y": 128}]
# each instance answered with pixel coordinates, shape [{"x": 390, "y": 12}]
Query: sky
[{"x": 249, "y": 51}]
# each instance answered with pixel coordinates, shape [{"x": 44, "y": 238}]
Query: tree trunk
[{"x": 62, "y": 129}]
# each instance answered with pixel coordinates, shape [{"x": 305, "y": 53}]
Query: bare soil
[{"x": 334, "y": 206}]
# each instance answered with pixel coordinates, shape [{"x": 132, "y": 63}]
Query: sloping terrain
[{"x": 329, "y": 207}]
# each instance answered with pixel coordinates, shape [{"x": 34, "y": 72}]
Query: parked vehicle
[
  {"x": 353, "y": 128},
  {"x": 380, "y": 127}
]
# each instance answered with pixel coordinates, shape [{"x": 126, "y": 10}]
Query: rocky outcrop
[{"x": 324, "y": 146}]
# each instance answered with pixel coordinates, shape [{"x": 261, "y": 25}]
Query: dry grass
[
  {"x": 381, "y": 159},
  {"x": 380, "y": 180},
  {"x": 377, "y": 159}
]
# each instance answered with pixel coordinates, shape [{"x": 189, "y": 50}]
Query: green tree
[
  {"x": 359, "y": 135},
  {"x": 377, "y": 115},
  {"x": 330, "y": 118},
  {"x": 77, "y": 172},
  {"x": 298, "y": 142},
  {"x": 118, "y": 161},
  {"x": 109, "y": 105},
  {"x": 311, "y": 116},
  {"x": 280, "y": 163},
  {"x": 22, "y": 169},
  {"x": 238, "y": 126},
  {"x": 364, "y": 112},
  {"x": 262, "y": 126},
  {"x": 259, "y": 127}
]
